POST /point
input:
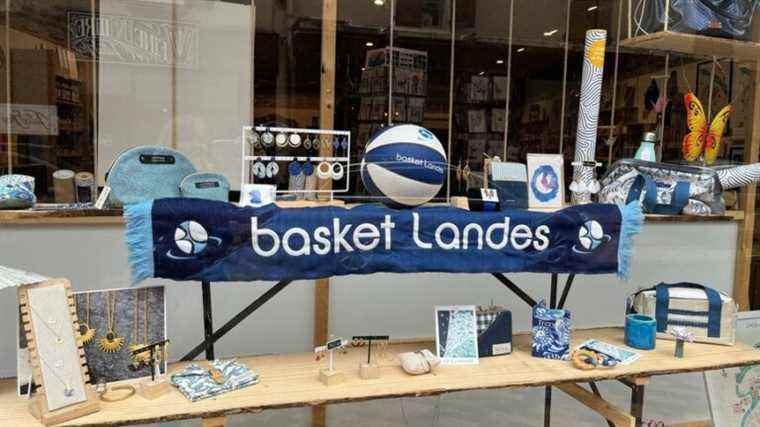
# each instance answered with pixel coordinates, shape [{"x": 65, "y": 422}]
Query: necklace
[
  {"x": 144, "y": 357},
  {"x": 85, "y": 332},
  {"x": 47, "y": 323},
  {"x": 111, "y": 342},
  {"x": 68, "y": 390}
]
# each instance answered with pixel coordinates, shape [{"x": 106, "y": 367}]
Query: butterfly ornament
[{"x": 701, "y": 140}]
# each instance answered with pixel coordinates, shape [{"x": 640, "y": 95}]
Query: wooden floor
[{"x": 291, "y": 380}]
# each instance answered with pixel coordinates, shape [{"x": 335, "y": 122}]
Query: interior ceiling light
[
  {"x": 379, "y": 2},
  {"x": 499, "y": 61},
  {"x": 369, "y": 44},
  {"x": 481, "y": 73},
  {"x": 592, "y": 8},
  {"x": 522, "y": 49},
  {"x": 550, "y": 32}
]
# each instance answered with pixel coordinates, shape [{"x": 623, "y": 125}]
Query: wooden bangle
[{"x": 131, "y": 392}]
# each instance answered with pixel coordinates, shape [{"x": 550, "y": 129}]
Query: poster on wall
[
  {"x": 112, "y": 323},
  {"x": 29, "y": 119},
  {"x": 734, "y": 393},
  {"x": 456, "y": 334},
  {"x": 545, "y": 181}
]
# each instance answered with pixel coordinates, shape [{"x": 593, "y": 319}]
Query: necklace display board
[{"x": 55, "y": 349}]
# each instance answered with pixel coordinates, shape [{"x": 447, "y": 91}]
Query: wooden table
[{"x": 290, "y": 380}]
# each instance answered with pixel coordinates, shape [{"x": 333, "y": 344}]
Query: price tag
[
  {"x": 101, "y": 202},
  {"x": 489, "y": 195}
]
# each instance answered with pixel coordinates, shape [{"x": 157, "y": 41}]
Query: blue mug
[{"x": 640, "y": 331}]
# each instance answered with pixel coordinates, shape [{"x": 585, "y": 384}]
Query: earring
[
  {"x": 336, "y": 171},
  {"x": 324, "y": 170},
  {"x": 255, "y": 140},
  {"x": 344, "y": 143},
  {"x": 259, "y": 170},
  {"x": 272, "y": 169},
  {"x": 267, "y": 139},
  {"x": 281, "y": 140},
  {"x": 307, "y": 143},
  {"x": 308, "y": 169},
  {"x": 335, "y": 143},
  {"x": 294, "y": 140}
]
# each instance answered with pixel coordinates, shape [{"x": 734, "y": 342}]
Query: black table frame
[{"x": 211, "y": 336}]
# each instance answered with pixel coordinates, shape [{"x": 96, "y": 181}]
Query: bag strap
[
  {"x": 663, "y": 303},
  {"x": 678, "y": 201}
]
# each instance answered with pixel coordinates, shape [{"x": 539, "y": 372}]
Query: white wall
[{"x": 94, "y": 257}]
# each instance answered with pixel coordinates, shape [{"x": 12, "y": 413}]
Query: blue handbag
[
  {"x": 147, "y": 172},
  {"x": 206, "y": 185}
]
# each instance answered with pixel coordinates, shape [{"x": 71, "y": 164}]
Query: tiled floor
[{"x": 675, "y": 398}]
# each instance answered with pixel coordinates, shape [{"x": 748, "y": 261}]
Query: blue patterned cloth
[
  {"x": 551, "y": 332},
  {"x": 17, "y": 192},
  {"x": 196, "y": 382}
]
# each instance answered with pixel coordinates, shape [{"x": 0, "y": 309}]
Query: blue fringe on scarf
[
  {"x": 633, "y": 219},
  {"x": 139, "y": 236}
]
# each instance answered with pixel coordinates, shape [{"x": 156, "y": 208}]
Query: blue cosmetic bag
[
  {"x": 17, "y": 192},
  {"x": 147, "y": 172},
  {"x": 206, "y": 185}
]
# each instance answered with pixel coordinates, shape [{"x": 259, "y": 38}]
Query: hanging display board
[{"x": 56, "y": 353}]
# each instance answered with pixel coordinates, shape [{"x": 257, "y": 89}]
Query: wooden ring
[{"x": 131, "y": 392}]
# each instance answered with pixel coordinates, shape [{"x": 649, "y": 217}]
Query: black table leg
[
  {"x": 637, "y": 403},
  {"x": 553, "y": 294},
  {"x": 208, "y": 318},
  {"x": 547, "y": 406}
]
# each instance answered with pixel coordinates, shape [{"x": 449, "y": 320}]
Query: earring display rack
[
  {"x": 266, "y": 146},
  {"x": 56, "y": 353}
]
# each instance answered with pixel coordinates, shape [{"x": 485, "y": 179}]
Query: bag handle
[
  {"x": 678, "y": 201},
  {"x": 663, "y": 301}
]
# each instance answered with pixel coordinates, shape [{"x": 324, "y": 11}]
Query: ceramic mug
[
  {"x": 257, "y": 195},
  {"x": 640, "y": 331}
]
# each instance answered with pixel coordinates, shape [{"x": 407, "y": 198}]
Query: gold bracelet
[{"x": 131, "y": 393}]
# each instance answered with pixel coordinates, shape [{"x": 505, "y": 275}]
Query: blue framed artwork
[
  {"x": 546, "y": 189},
  {"x": 456, "y": 334}
]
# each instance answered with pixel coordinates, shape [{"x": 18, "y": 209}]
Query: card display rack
[
  {"x": 282, "y": 146},
  {"x": 56, "y": 353}
]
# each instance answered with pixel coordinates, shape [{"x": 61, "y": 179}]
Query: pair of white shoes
[{"x": 419, "y": 362}]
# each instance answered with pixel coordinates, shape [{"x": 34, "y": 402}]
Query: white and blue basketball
[
  {"x": 404, "y": 165},
  {"x": 191, "y": 238}
]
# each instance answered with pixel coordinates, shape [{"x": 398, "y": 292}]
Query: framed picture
[
  {"x": 499, "y": 88},
  {"x": 733, "y": 393},
  {"x": 498, "y": 120},
  {"x": 456, "y": 334},
  {"x": 477, "y": 121},
  {"x": 546, "y": 188},
  {"x": 479, "y": 88}
]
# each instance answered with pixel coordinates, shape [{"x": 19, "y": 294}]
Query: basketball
[{"x": 404, "y": 166}]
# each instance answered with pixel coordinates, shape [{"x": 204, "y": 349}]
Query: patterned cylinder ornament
[
  {"x": 584, "y": 176},
  {"x": 739, "y": 176}
]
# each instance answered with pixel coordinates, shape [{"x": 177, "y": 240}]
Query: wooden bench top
[{"x": 289, "y": 380}]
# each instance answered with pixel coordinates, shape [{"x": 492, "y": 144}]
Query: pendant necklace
[
  {"x": 112, "y": 342},
  {"x": 86, "y": 333},
  {"x": 144, "y": 357},
  {"x": 50, "y": 321},
  {"x": 68, "y": 390}
]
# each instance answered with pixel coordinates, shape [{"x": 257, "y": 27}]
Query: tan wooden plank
[
  {"x": 617, "y": 416},
  {"x": 692, "y": 44},
  {"x": 743, "y": 263},
  {"x": 291, "y": 380},
  {"x": 703, "y": 423},
  {"x": 214, "y": 422}
]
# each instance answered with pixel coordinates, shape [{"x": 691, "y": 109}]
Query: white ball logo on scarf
[
  {"x": 590, "y": 237},
  {"x": 191, "y": 239}
]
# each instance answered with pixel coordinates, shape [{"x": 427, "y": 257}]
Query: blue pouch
[
  {"x": 511, "y": 181},
  {"x": 147, "y": 172},
  {"x": 494, "y": 332},
  {"x": 17, "y": 192},
  {"x": 551, "y": 332},
  {"x": 206, "y": 185}
]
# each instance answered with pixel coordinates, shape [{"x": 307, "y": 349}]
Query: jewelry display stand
[{"x": 56, "y": 353}]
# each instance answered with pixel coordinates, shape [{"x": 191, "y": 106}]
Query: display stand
[{"x": 56, "y": 353}]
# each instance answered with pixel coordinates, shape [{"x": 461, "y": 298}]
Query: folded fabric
[
  {"x": 197, "y": 383},
  {"x": 551, "y": 332},
  {"x": 17, "y": 192}
]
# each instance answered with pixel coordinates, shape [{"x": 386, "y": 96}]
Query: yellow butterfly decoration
[{"x": 701, "y": 140}]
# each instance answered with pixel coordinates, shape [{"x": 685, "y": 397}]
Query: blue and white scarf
[{"x": 193, "y": 239}]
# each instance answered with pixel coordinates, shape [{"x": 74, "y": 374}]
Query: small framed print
[
  {"x": 546, "y": 188},
  {"x": 456, "y": 334}
]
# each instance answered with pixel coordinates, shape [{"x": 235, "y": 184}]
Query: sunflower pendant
[
  {"x": 111, "y": 343},
  {"x": 86, "y": 333}
]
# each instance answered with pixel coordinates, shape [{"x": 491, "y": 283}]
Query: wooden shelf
[{"x": 692, "y": 44}]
